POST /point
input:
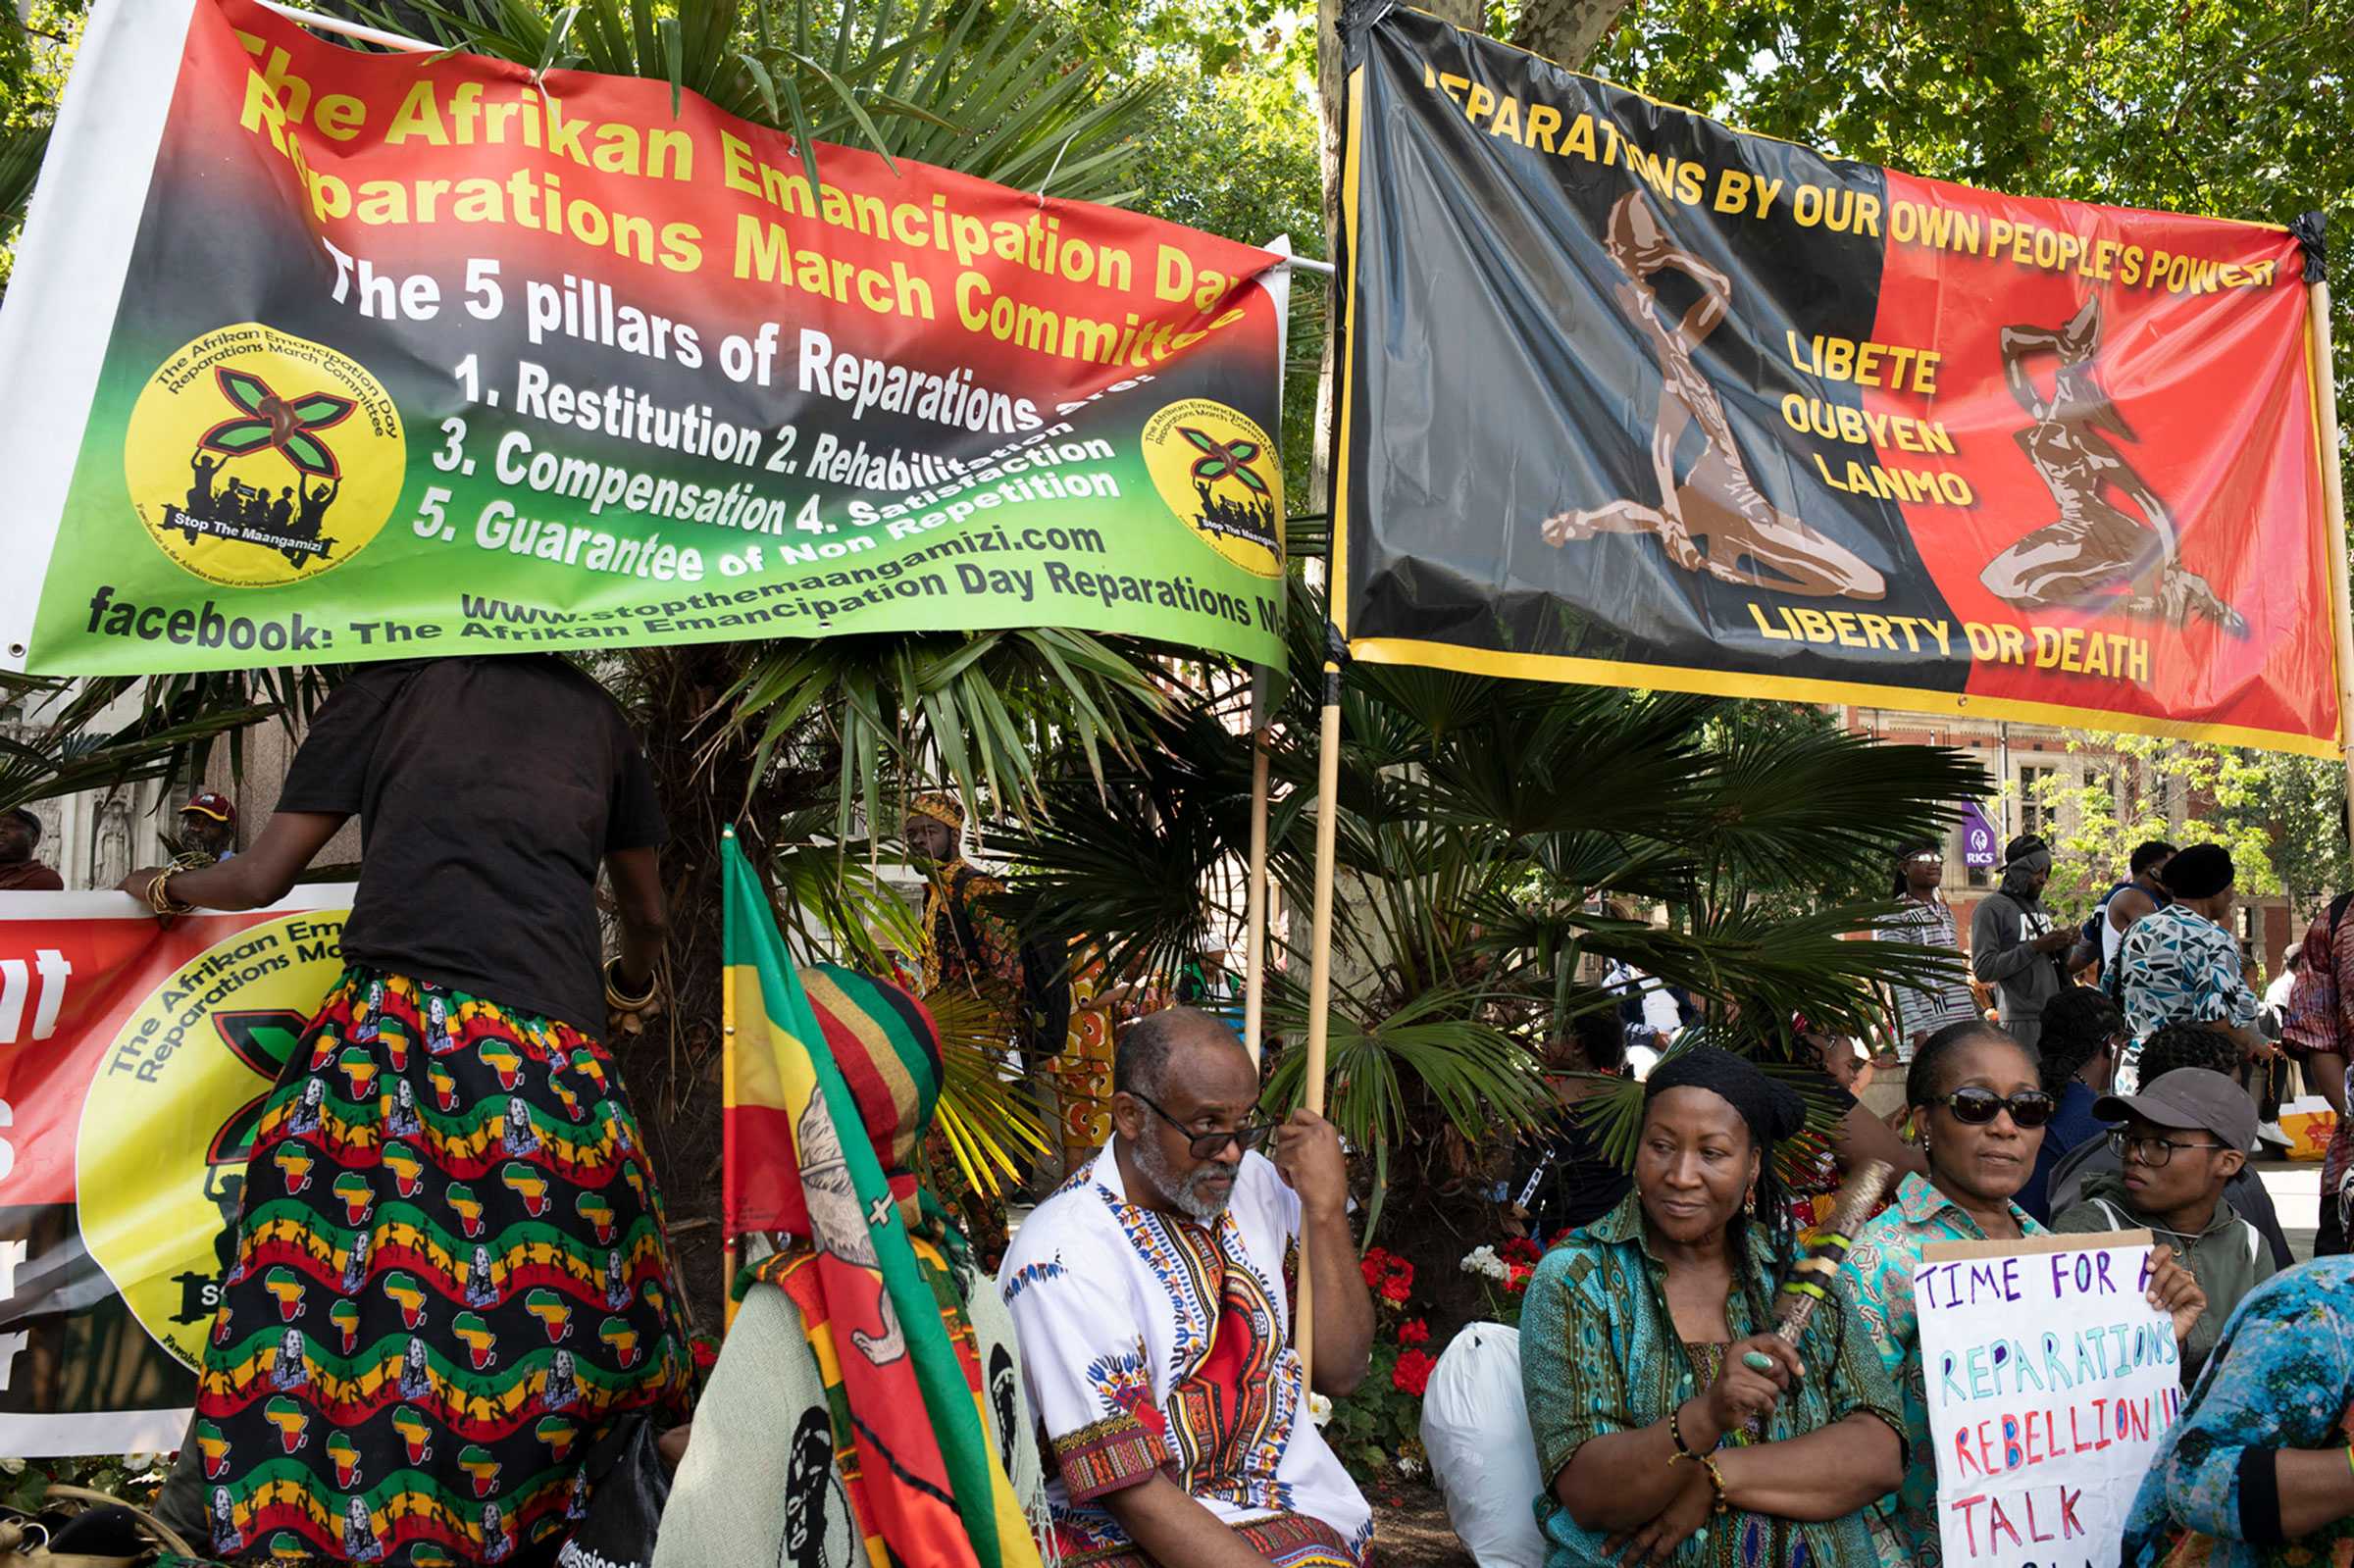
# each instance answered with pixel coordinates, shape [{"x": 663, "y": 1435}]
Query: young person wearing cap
[
  {"x": 19, "y": 872},
  {"x": 2181, "y": 965},
  {"x": 2014, "y": 946},
  {"x": 209, "y": 824},
  {"x": 2184, "y": 1137}
]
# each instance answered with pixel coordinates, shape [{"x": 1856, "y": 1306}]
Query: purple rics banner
[{"x": 1980, "y": 844}]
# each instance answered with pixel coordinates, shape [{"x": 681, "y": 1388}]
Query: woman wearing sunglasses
[
  {"x": 1671, "y": 1423},
  {"x": 1980, "y": 1112}
]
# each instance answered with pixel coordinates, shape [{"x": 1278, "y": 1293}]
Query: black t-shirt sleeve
[
  {"x": 329, "y": 771},
  {"x": 636, "y": 821}
]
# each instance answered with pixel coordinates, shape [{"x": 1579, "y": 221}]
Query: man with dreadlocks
[{"x": 2015, "y": 948}]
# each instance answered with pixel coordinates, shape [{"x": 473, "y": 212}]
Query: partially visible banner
[
  {"x": 1634, "y": 399},
  {"x": 317, "y": 355},
  {"x": 134, "y": 1063},
  {"x": 1980, "y": 844}
]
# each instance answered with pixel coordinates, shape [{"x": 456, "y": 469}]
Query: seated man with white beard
[{"x": 1153, "y": 1297}]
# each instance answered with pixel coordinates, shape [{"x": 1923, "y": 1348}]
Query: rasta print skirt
[{"x": 450, "y": 1279}]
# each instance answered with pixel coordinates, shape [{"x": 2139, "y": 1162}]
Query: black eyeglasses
[
  {"x": 1976, "y": 1107},
  {"x": 1209, "y": 1145},
  {"x": 2152, "y": 1151}
]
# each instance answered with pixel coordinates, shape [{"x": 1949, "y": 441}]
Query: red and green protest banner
[{"x": 319, "y": 355}]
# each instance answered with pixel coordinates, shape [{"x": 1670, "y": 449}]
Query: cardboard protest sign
[{"x": 2051, "y": 1381}]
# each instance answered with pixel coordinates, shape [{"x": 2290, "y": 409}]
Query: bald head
[{"x": 1170, "y": 1046}]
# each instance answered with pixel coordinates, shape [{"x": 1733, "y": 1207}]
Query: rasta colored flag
[
  {"x": 904, "y": 1392},
  {"x": 1634, "y": 399}
]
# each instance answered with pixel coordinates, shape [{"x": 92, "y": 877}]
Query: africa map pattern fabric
[{"x": 451, "y": 1278}]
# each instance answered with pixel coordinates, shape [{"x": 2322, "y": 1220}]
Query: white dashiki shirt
[{"x": 1150, "y": 1343}]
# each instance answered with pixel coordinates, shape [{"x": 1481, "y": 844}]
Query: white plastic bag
[{"x": 1482, "y": 1455}]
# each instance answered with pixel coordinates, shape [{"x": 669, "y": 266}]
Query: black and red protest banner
[{"x": 1631, "y": 398}]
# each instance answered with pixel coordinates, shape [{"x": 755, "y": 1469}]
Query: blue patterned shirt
[
  {"x": 1599, "y": 1354},
  {"x": 2281, "y": 1377},
  {"x": 2181, "y": 968},
  {"x": 1878, "y": 1278}
]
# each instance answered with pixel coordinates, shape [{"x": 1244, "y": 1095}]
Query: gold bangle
[
  {"x": 621, "y": 1001},
  {"x": 159, "y": 894}
]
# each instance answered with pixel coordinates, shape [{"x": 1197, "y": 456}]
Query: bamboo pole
[
  {"x": 1319, "y": 973},
  {"x": 1255, "y": 961},
  {"x": 2334, "y": 502}
]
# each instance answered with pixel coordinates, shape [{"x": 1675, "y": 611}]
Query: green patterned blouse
[{"x": 1599, "y": 1354}]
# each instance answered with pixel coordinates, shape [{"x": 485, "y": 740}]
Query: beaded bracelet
[{"x": 1676, "y": 1432}]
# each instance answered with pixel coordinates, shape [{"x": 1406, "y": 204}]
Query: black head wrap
[
  {"x": 2200, "y": 872},
  {"x": 1773, "y": 1110}
]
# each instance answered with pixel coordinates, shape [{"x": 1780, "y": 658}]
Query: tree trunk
[{"x": 1566, "y": 32}]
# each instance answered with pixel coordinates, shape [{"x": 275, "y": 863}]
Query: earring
[{"x": 1749, "y": 1204}]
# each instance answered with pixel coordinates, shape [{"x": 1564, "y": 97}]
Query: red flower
[
  {"x": 1413, "y": 1330},
  {"x": 1519, "y": 1249},
  {"x": 1401, "y": 1271},
  {"x": 1395, "y": 1289},
  {"x": 1373, "y": 1265},
  {"x": 1411, "y": 1374},
  {"x": 1517, "y": 1278}
]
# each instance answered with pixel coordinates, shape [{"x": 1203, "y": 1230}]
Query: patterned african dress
[
  {"x": 1599, "y": 1353},
  {"x": 1083, "y": 1071},
  {"x": 2282, "y": 1377},
  {"x": 1151, "y": 1343},
  {"x": 1876, "y": 1279},
  {"x": 450, "y": 1279}
]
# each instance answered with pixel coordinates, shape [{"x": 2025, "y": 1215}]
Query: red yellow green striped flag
[{"x": 798, "y": 1158}]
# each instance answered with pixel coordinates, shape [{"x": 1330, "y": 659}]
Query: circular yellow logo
[
  {"x": 159, "y": 1161},
  {"x": 1217, "y": 470},
  {"x": 257, "y": 458}
]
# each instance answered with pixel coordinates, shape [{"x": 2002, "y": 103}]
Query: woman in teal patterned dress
[{"x": 1672, "y": 1423}]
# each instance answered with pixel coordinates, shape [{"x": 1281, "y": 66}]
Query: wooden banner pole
[
  {"x": 1255, "y": 963},
  {"x": 1319, "y": 972},
  {"x": 2334, "y": 499}
]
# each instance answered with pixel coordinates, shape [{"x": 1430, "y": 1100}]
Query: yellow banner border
[{"x": 1573, "y": 671}]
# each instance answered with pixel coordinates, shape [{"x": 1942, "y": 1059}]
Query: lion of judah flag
[{"x": 881, "y": 1315}]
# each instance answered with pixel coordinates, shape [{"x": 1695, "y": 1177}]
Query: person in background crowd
[
  {"x": 2319, "y": 1034},
  {"x": 1695, "y": 1405},
  {"x": 466, "y": 1032},
  {"x": 1924, "y": 921},
  {"x": 2014, "y": 946},
  {"x": 2181, "y": 964},
  {"x": 971, "y": 972},
  {"x": 2265, "y": 1079},
  {"x": 208, "y": 825},
  {"x": 19, "y": 872},
  {"x": 1562, "y": 1177},
  {"x": 2082, "y": 1034},
  {"x": 1150, "y": 1299},
  {"x": 1818, "y": 1163},
  {"x": 2173, "y": 1048},
  {"x": 967, "y": 946},
  {"x": 2258, "y": 1470},
  {"x": 2142, "y": 892},
  {"x": 1980, "y": 1113},
  {"x": 2184, "y": 1137}
]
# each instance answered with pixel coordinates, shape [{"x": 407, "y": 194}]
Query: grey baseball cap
[{"x": 2189, "y": 1097}]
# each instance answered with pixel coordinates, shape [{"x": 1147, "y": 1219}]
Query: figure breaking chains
[
  {"x": 1715, "y": 520},
  {"x": 2097, "y": 555}
]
